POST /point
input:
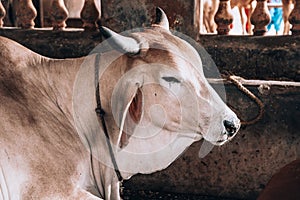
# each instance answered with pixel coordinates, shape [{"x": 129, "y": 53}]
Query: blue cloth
[{"x": 276, "y": 17}]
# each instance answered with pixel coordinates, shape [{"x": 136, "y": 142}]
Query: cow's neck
[
  {"x": 70, "y": 85},
  {"x": 63, "y": 77},
  {"x": 56, "y": 81}
]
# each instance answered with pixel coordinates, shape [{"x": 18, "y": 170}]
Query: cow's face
[
  {"x": 190, "y": 104},
  {"x": 169, "y": 91}
]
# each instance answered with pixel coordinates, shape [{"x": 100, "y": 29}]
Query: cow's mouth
[
  {"x": 221, "y": 142},
  {"x": 218, "y": 142}
]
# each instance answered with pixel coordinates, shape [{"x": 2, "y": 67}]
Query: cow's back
[
  {"x": 15, "y": 60},
  {"x": 16, "y": 54}
]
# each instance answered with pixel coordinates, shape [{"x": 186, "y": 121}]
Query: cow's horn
[
  {"x": 161, "y": 19},
  {"x": 121, "y": 43}
]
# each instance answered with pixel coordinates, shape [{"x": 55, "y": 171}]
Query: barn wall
[
  {"x": 122, "y": 15},
  {"x": 272, "y": 57}
]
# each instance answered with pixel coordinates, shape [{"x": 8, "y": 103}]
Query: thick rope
[{"x": 238, "y": 84}]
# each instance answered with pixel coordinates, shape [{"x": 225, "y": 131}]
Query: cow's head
[
  {"x": 166, "y": 72},
  {"x": 160, "y": 100}
]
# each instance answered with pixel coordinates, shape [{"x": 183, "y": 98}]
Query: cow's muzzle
[{"x": 231, "y": 127}]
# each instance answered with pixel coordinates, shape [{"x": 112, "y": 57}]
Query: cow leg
[
  {"x": 243, "y": 21},
  {"x": 249, "y": 25},
  {"x": 213, "y": 11},
  {"x": 286, "y": 11},
  {"x": 206, "y": 12}
]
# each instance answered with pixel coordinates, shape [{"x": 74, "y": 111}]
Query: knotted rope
[{"x": 236, "y": 81}]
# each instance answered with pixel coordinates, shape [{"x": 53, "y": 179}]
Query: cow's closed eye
[
  {"x": 171, "y": 79},
  {"x": 171, "y": 84}
]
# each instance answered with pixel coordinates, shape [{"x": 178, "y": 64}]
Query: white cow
[{"x": 52, "y": 146}]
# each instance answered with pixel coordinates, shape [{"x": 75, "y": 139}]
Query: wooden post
[
  {"x": 59, "y": 14},
  {"x": 294, "y": 18},
  {"x": 223, "y": 17},
  {"x": 25, "y": 14},
  {"x": 2, "y": 14},
  {"x": 260, "y": 17},
  {"x": 89, "y": 15}
]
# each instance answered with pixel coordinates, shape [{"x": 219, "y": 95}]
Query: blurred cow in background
[
  {"x": 210, "y": 8},
  {"x": 287, "y": 6},
  {"x": 246, "y": 8}
]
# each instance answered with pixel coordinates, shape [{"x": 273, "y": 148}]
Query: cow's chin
[
  {"x": 217, "y": 139},
  {"x": 222, "y": 139},
  {"x": 219, "y": 142}
]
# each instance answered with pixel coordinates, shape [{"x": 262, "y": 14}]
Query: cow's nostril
[{"x": 230, "y": 127}]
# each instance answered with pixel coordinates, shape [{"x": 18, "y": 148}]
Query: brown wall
[{"x": 121, "y": 15}]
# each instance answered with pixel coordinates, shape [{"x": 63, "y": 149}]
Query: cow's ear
[
  {"x": 128, "y": 110},
  {"x": 161, "y": 19},
  {"x": 131, "y": 117}
]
